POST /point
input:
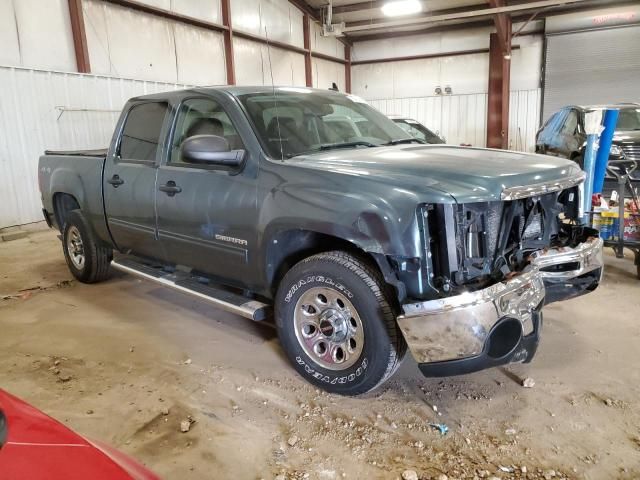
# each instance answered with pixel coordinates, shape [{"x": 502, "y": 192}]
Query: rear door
[
  {"x": 208, "y": 222},
  {"x": 130, "y": 178}
]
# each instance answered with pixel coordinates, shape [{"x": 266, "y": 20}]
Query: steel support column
[
  {"x": 306, "y": 32},
  {"x": 228, "y": 42},
  {"x": 499, "y": 78},
  {"x": 79, "y": 36},
  {"x": 347, "y": 69}
]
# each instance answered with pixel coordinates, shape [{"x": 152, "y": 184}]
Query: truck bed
[{"x": 77, "y": 174}]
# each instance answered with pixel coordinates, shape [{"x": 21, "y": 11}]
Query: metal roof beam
[{"x": 462, "y": 15}]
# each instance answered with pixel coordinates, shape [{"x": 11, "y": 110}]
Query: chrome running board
[{"x": 185, "y": 283}]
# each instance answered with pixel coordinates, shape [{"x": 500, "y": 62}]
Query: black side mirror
[{"x": 211, "y": 150}]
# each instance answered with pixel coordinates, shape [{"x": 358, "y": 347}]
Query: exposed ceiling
[{"x": 364, "y": 18}]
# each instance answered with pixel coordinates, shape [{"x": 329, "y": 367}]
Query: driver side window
[{"x": 202, "y": 116}]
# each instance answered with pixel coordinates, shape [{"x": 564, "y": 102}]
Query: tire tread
[
  {"x": 373, "y": 280},
  {"x": 100, "y": 255}
]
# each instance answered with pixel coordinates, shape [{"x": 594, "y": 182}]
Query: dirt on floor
[{"x": 127, "y": 362}]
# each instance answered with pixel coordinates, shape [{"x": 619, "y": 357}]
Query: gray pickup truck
[{"x": 257, "y": 200}]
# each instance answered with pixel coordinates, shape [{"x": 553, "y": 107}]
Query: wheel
[
  {"x": 337, "y": 325},
  {"x": 87, "y": 259}
]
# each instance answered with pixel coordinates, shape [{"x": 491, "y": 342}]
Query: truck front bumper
[{"x": 499, "y": 324}]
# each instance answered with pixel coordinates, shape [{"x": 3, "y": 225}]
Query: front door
[
  {"x": 207, "y": 217},
  {"x": 130, "y": 179}
]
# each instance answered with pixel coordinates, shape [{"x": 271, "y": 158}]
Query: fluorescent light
[{"x": 401, "y": 7}]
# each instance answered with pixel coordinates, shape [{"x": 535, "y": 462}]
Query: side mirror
[{"x": 211, "y": 150}]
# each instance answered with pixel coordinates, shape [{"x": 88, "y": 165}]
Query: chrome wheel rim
[
  {"x": 328, "y": 328},
  {"x": 75, "y": 248}
]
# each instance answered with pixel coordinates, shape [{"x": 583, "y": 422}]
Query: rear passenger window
[{"x": 141, "y": 133}]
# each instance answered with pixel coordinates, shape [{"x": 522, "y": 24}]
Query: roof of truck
[{"x": 234, "y": 90}]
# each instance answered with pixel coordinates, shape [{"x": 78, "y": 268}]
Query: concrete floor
[{"x": 109, "y": 359}]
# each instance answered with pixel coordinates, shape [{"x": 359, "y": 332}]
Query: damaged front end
[{"x": 490, "y": 267}]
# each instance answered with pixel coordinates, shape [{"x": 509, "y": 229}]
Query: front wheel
[{"x": 336, "y": 324}]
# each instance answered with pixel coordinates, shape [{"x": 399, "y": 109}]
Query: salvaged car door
[
  {"x": 569, "y": 135},
  {"x": 552, "y": 137},
  {"x": 206, "y": 216},
  {"x": 130, "y": 178}
]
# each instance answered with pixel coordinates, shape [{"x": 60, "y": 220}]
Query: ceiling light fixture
[{"x": 398, "y": 8}]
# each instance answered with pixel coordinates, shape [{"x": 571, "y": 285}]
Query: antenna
[{"x": 275, "y": 93}]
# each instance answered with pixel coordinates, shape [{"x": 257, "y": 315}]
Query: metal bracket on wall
[{"x": 62, "y": 110}]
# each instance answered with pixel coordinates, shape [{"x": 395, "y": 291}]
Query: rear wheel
[
  {"x": 87, "y": 258},
  {"x": 336, "y": 324}
]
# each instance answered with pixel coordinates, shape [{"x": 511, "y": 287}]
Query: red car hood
[{"x": 35, "y": 446}]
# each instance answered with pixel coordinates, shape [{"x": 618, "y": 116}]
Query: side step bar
[{"x": 223, "y": 299}]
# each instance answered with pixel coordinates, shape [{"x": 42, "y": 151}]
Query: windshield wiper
[
  {"x": 334, "y": 146},
  {"x": 404, "y": 140},
  {"x": 357, "y": 143}
]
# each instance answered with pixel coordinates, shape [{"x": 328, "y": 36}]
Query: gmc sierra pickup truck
[{"x": 253, "y": 199}]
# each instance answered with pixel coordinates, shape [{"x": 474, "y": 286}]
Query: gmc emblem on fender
[{"x": 239, "y": 241}]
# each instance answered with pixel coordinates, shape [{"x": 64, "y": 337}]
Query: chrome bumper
[
  {"x": 566, "y": 263},
  {"x": 461, "y": 327}
]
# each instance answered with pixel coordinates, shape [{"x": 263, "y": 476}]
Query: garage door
[{"x": 592, "y": 67}]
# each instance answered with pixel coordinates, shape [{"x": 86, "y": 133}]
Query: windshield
[
  {"x": 417, "y": 130},
  {"x": 629, "y": 119},
  {"x": 299, "y": 121}
]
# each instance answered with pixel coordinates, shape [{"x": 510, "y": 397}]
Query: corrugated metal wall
[
  {"x": 164, "y": 50},
  {"x": 254, "y": 63},
  {"x": 463, "y": 118},
  {"x": 124, "y": 43},
  {"x": 50, "y": 110},
  {"x": 37, "y": 34}
]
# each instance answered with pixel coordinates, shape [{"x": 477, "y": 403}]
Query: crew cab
[{"x": 358, "y": 247}]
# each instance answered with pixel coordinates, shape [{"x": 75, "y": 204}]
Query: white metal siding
[
  {"x": 325, "y": 72},
  {"x": 36, "y": 33},
  {"x": 463, "y": 118},
  {"x": 253, "y": 62},
  {"x": 465, "y": 74},
  {"x": 524, "y": 119},
  {"x": 50, "y": 110},
  {"x": 283, "y": 21},
  {"x": 127, "y": 43},
  {"x": 327, "y": 45}
]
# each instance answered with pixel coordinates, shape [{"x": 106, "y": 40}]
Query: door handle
[
  {"x": 116, "y": 181},
  {"x": 170, "y": 188}
]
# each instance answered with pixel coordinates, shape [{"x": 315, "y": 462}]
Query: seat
[
  {"x": 205, "y": 126},
  {"x": 283, "y": 132}
]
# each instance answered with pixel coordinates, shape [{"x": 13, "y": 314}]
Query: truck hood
[{"x": 466, "y": 174}]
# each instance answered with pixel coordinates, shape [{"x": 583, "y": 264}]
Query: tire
[
  {"x": 87, "y": 258},
  {"x": 350, "y": 343}
]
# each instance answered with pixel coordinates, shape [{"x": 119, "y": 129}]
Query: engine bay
[{"x": 473, "y": 245}]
